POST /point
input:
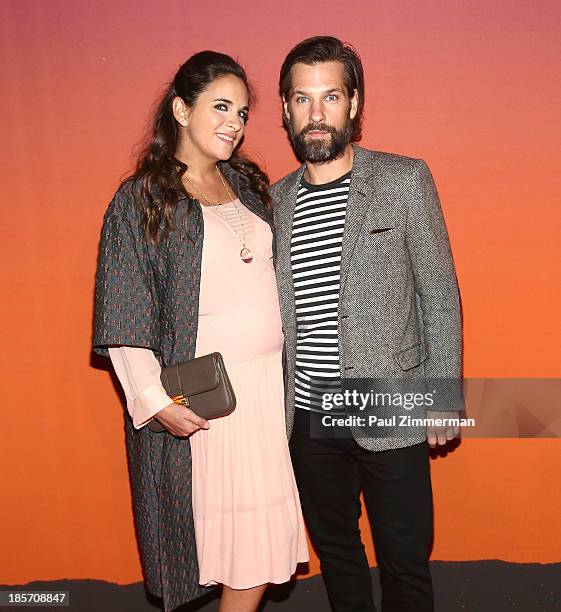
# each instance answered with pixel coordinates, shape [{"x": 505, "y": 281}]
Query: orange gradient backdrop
[{"x": 471, "y": 87}]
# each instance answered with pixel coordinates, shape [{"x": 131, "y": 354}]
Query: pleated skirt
[{"x": 248, "y": 520}]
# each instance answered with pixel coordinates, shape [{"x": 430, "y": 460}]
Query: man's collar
[{"x": 361, "y": 168}]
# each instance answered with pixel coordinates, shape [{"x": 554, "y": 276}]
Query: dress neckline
[{"x": 230, "y": 203}]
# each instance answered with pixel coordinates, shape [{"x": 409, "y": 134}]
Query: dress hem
[{"x": 211, "y": 583}]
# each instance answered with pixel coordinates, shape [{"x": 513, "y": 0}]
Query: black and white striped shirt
[{"x": 317, "y": 235}]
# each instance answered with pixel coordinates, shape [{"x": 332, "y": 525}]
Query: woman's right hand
[{"x": 180, "y": 420}]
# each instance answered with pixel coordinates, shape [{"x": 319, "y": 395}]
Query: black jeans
[{"x": 330, "y": 474}]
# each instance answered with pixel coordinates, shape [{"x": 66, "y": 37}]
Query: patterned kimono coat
[{"x": 148, "y": 297}]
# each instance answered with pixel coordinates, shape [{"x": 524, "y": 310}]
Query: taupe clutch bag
[{"x": 201, "y": 384}]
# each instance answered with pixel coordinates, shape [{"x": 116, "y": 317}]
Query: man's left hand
[{"x": 441, "y": 434}]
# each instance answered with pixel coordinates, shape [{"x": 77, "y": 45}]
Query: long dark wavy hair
[{"x": 158, "y": 172}]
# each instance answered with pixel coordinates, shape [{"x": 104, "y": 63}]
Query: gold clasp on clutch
[{"x": 181, "y": 399}]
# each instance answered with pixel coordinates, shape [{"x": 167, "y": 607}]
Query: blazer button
[{"x": 349, "y": 368}]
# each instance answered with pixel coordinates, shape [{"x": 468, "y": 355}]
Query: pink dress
[{"x": 248, "y": 521}]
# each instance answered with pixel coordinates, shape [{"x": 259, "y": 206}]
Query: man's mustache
[{"x": 318, "y": 127}]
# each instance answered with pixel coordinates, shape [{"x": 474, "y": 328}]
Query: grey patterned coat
[
  {"x": 399, "y": 309},
  {"x": 149, "y": 297}
]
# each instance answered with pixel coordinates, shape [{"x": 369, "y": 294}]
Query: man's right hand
[{"x": 180, "y": 420}]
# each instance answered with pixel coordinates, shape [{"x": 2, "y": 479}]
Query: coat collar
[
  {"x": 236, "y": 178},
  {"x": 233, "y": 176},
  {"x": 242, "y": 188},
  {"x": 364, "y": 167}
]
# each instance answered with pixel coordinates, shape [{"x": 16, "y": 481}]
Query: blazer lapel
[{"x": 362, "y": 196}]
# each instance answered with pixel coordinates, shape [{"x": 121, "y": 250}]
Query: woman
[{"x": 185, "y": 268}]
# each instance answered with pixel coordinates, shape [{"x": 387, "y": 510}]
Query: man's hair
[{"x": 322, "y": 49}]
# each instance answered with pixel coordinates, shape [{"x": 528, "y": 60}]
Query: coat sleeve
[
  {"x": 437, "y": 289},
  {"x": 125, "y": 309}
]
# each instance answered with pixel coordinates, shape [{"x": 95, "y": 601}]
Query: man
[{"x": 367, "y": 290}]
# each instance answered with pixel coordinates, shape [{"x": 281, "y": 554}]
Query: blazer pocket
[
  {"x": 379, "y": 230},
  {"x": 411, "y": 356}
]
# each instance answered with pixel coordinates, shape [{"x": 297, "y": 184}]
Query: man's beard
[{"x": 320, "y": 150}]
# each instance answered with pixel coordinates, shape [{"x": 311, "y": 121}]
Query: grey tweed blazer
[
  {"x": 149, "y": 297},
  {"x": 399, "y": 307}
]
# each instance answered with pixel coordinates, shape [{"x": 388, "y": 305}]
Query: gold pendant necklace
[{"x": 245, "y": 254}]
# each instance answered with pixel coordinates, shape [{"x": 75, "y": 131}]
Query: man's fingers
[
  {"x": 441, "y": 436},
  {"x": 453, "y": 432}
]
